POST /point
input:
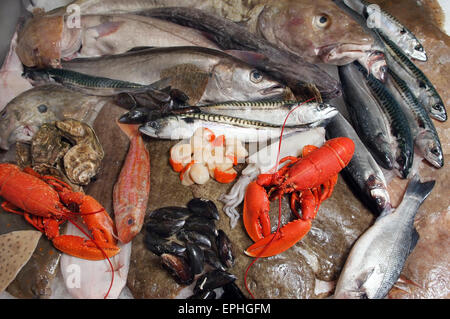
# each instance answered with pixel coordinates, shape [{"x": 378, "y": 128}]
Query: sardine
[
  {"x": 227, "y": 78},
  {"x": 131, "y": 191},
  {"x": 366, "y": 115},
  {"x": 377, "y": 258},
  {"x": 417, "y": 81},
  {"x": 424, "y": 133},
  {"x": 23, "y": 116},
  {"x": 390, "y": 27},
  {"x": 183, "y": 126},
  {"x": 398, "y": 123},
  {"x": 363, "y": 172}
]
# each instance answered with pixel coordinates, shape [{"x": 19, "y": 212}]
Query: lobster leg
[{"x": 280, "y": 241}]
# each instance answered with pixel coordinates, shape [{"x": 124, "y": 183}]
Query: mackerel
[{"x": 419, "y": 84}]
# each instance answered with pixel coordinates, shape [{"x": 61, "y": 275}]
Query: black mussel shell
[
  {"x": 213, "y": 260},
  {"x": 170, "y": 212},
  {"x": 164, "y": 228},
  {"x": 212, "y": 280},
  {"x": 194, "y": 237},
  {"x": 208, "y": 294},
  {"x": 225, "y": 249},
  {"x": 159, "y": 245},
  {"x": 201, "y": 224},
  {"x": 178, "y": 96},
  {"x": 232, "y": 291},
  {"x": 203, "y": 207},
  {"x": 195, "y": 257},
  {"x": 179, "y": 267},
  {"x": 137, "y": 115},
  {"x": 125, "y": 100},
  {"x": 159, "y": 95}
]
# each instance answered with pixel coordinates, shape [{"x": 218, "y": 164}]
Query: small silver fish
[{"x": 377, "y": 258}]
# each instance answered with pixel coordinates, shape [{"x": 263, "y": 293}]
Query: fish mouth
[
  {"x": 148, "y": 129},
  {"x": 342, "y": 53},
  {"x": 274, "y": 89}
]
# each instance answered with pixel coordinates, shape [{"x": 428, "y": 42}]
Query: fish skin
[
  {"x": 362, "y": 172},
  {"x": 131, "y": 191},
  {"x": 21, "y": 118},
  {"x": 378, "y": 256},
  {"x": 366, "y": 115},
  {"x": 230, "y": 78},
  {"x": 289, "y": 24}
]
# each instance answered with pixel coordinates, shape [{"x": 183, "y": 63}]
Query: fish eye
[
  {"x": 418, "y": 48},
  {"x": 437, "y": 107},
  {"x": 321, "y": 21},
  {"x": 435, "y": 151},
  {"x": 321, "y": 106},
  {"x": 3, "y": 114},
  {"x": 255, "y": 76},
  {"x": 42, "y": 108}
]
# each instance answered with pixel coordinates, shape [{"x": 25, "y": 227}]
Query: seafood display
[{"x": 135, "y": 134}]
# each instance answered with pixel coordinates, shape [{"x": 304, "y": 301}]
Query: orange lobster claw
[
  {"x": 85, "y": 249},
  {"x": 287, "y": 236},
  {"x": 256, "y": 212}
]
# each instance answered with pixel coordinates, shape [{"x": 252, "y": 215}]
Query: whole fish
[
  {"x": 310, "y": 29},
  {"x": 417, "y": 81},
  {"x": 422, "y": 128},
  {"x": 226, "y": 78},
  {"x": 390, "y": 27},
  {"x": 23, "y": 116},
  {"x": 46, "y": 40},
  {"x": 397, "y": 121},
  {"x": 183, "y": 126},
  {"x": 377, "y": 258},
  {"x": 363, "y": 172},
  {"x": 366, "y": 115},
  {"x": 131, "y": 191}
]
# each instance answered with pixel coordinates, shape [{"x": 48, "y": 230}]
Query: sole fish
[
  {"x": 363, "y": 172},
  {"x": 377, "y": 258},
  {"x": 131, "y": 191}
]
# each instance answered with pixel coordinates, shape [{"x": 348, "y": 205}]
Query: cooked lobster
[
  {"x": 310, "y": 179},
  {"x": 46, "y": 203}
]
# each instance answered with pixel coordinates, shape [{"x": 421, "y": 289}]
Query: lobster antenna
[{"x": 279, "y": 197}]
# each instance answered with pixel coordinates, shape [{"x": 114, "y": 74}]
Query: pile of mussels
[{"x": 192, "y": 248}]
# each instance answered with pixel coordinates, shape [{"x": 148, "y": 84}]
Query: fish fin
[
  {"x": 414, "y": 239},
  {"x": 135, "y": 49},
  {"x": 131, "y": 130},
  {"x": 107, "y": 28},
  {"x": 418, "y": 189},
  {"x": 247, "y": 56},
  {"x": 363, "y": 277}
]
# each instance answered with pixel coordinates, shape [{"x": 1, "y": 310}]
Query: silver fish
[
  {"x": 390, "y": 27},
  {"x": 425, "y": 136},
  {"x": 417, "y": 81},
  {"x": 377, "y": 258},
  {"x": 23, "y": 116},
  {"x": 363, "y": 172},
  {"x": 275, "y": 112},
  {"x": 230, "y": 78},
  {"x": 183, "y": 126}
]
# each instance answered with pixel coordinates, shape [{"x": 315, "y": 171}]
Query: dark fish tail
[{"x": 418, "y": 190}]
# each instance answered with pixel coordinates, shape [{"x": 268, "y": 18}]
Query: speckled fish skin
[
  {"x": 377, "y": 258},
  {"x": 131, "y": 191}
]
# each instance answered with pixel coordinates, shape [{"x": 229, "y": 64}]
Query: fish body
[
  {"x": 23, "y": 116},
  {"x": 183, "y": 126},
  {"x": 422, "y": 128},
  {"x": 398, "y": 123},
  {"x": 366, "y": 115},
  {"x": 377, "y": 258},
  {"x": 417, "y": 81},
  {"x": 131, "y": 191},
  {"x": 363, "y": 172},
  {"x": 390, "y": 27},
  {"x": 227, "y": 77}
]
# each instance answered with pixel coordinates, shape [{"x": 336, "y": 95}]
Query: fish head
[
  {"x": 44, "y": 40},
  {"x": 315, "y": 113},
  {"x": 430, "y": 149},
  {"x": 415, "y": 49},
  {"x": 375, "y": 64},
  {"x": 237, "y": 81},
  {"x": 12, "y": 130},
  {"x": 376, "y": 188},
  {"x": 318, "y": 30},
  {"x": 129, "y": 225},
  {"x": 438, "y": 112}
]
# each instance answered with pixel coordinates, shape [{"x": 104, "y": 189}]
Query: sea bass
[
  {"x": 23, "y": 116},
  {"x": 310, "y": 29},
  {"x": 377, "y": 258},
  {"x": 131, "y": 191},
  {"x": 227, "y": 77}
]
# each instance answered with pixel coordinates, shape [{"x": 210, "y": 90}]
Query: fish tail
[
  {"x": 131, "y": 130},
  {"x": 419, "y": 190}
]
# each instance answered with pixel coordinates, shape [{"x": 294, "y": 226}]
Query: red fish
[{"x": 131, "y": 191}]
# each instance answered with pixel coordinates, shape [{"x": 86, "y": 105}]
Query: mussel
[
  {"x": 159, "y": 245},
  {"x": 232, "y": 291},
  {"x": 170, "y": 212},
  {"x": 213, "y": 260},
  {"x": 178, "y": 267},
  {"x": 208, "y": 294},
  {"x": 195, "y": 257},
  {"x": 189, "y": 236},
  {"x": 164, "y": 228},
  {"x": 203, "y": 207},
  {"x": 212, "y": 280},
  {"x": 224, "y": 249},
  {"x": 201, "y": 224}
]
